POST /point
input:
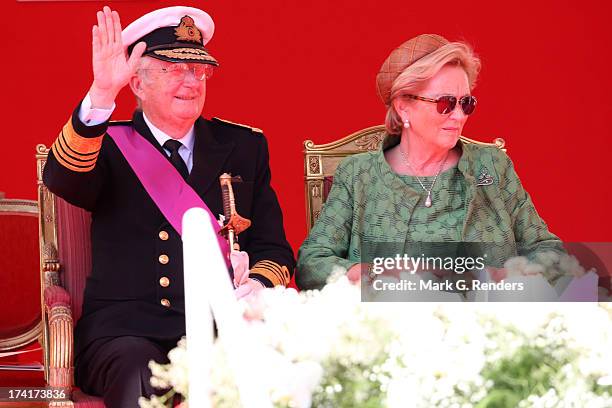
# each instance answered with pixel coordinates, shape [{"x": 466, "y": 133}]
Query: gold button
[
  {"x": 165, "y": 302},
  {"x": 163, "y": 259},
  {"x": 164, "y": 282},
  {"x": 163, "y": 235}
]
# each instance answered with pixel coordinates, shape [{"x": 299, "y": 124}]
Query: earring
[{"x": 406, "y": 123}]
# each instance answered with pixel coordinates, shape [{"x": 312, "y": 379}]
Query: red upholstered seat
[
  {"x": 328, "y": 181},
  {"x": 19, "y": 268},
  {"x": 20, "y": 320},
  {"x": 31, "y": 356},
  {"x": 82, "y": 400}
]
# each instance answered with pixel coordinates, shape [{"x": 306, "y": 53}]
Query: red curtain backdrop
[{"x": 305, "y": 70}]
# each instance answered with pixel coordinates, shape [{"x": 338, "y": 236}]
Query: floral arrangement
[{"x": 327, "y": 349}]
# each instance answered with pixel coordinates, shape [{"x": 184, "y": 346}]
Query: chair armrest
[
  {"x": 56, "y": 296},
  {"x": 61, "y": 341}
]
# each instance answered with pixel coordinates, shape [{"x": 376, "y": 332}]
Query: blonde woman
[{"x": 424, "y": 184}]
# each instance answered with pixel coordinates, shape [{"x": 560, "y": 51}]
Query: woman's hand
[
  {"x": 497, "y": 274},
  {"x": 111, "y": 69},
  {"x": 354, "y": 273}
]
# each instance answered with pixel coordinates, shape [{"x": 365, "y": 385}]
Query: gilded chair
[
  {"x": 320, "y": 162},
  {"x": 20, "y": 320},
  {"x": 65, "y": 263}
]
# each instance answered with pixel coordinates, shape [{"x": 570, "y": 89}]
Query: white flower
[
  {"x": 516, "y": 265},
  {"x": 413, "y": 354},
  {"x": 296, "y": 384}
]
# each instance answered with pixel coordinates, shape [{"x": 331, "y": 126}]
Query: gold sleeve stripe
[
  {"x": 60, "y": 158},
  {"x": 67, "y": 160},
  {"x": 273, "y": 267},
  {"x": 76, "y": 152},
  {"x": 80, "y": 144},
  {"x": 270, "y": 264},
  {"x": 278, "y": 275},
  {"x": 70, "y": 155},
  {"x": 271, "y": 276}
]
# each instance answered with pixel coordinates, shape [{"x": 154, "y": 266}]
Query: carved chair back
[{"x": 320, "y": 162}]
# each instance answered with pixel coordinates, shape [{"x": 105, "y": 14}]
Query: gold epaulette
[
  {"x": 120, "y": 122},
  {"x": 229, "y": 122}
]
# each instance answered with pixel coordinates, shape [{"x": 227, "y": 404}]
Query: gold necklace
[{"x": 442, "y": 163}]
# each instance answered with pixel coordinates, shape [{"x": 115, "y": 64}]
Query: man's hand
[
  {"x": 243, "y": 284},
  {"x": 240, "y": 265},
  {"x": 249, "y": 287},
  {"x": 111, "y": 69}
]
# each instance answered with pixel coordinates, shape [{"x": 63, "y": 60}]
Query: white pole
[
  {"x": 198, "y": 318},
  {"x": 219, "y": 292}
]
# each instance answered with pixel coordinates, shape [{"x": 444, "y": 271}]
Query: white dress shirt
[{"x": 94, "y": 116}]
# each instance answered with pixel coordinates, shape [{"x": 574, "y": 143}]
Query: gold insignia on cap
[
  {"x": 187, "y": 54},
  {"x": 187, "y": 31}
]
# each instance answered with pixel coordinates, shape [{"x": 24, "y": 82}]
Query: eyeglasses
[
  {"x": 447, "y": 103},
  {"x": 177, "y": 72}
]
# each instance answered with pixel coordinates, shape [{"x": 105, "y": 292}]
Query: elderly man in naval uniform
[{"x": 130, "y": 175}]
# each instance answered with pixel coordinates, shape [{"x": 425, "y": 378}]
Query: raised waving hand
[{"x": 112, "y": 69}]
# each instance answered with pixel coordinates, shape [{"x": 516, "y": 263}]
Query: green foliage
[
  {"x": 529, "y": 370},
  {"x": 498, "y": 398},
  {"x": 347, "y": 387}
]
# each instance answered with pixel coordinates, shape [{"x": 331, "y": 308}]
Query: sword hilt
[{"x": 234, "y": 223}]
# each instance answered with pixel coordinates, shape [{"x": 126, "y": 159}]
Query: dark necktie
[{"x": 175, "y": 158}]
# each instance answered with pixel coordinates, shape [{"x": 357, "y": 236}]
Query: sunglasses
[{"x": 447, "y": 103}]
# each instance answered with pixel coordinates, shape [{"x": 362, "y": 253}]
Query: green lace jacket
[{"x": 369, "y": 202}]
